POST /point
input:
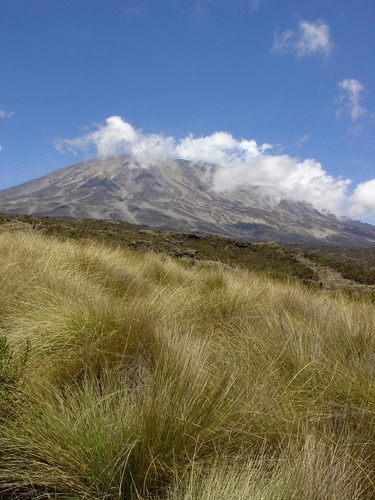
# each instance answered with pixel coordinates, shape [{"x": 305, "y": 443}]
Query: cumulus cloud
[
  {"x": 284, "y": 177},
  {"x": 362, "y": 201},
  {"x": 220, "y": 148},
  {"x": 238, "y": 163},
  {"x": 120, "y": 137},
  {"x": 116, "y": 137},
  {"x": 349, "y": 99},
  {"x": 309, "y": 39},
  {"x": 6, "y": 114}
]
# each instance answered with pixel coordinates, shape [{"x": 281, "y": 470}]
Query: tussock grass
[
  {"x": 145, "y": 378},
  {"x": 315, "y": 471}
]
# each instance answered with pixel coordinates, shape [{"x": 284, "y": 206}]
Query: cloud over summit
[
  {"x": 238, "y": 163},
  {"x": 363, "y": 199}
]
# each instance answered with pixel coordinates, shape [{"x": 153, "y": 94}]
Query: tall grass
[{"x": 148, "y": 379}]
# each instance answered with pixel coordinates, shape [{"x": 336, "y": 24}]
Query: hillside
[
  {"x": 135, "y": 375},
  {"x": 328, "y": 267},
  {"x": 179, "y": 195}
]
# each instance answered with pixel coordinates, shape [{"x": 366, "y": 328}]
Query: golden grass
[{"x": 149, "y": 379}]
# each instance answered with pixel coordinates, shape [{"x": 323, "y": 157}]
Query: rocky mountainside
[{"x": 177, "y": 195}]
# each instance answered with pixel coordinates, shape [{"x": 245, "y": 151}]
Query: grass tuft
[{"x": 138, "y": 377}]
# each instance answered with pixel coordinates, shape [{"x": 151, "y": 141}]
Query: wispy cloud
[
  {"x": 303, "y": 139},
  {"x": 309, "y": 39},
  {"x": 6, "y": 114},
  {"x": 254, "y": 4},
  {"x": 239, "y": 163},
  {"x": 134, "y": 7},
  {"x": 3, "y": 115},
  {"x": 349, "y": 99},
  {"x": 201, "y": 8}
]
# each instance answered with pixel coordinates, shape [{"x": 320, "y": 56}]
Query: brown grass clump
[{"x": 133, "y": 376}]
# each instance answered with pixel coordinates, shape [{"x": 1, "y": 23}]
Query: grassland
[
  {"x": 132, "y": 375},
  {"x": 270, "y": 259},
  {"x": 328, "y": 267}
]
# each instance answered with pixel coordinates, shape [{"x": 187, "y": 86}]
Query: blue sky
[{"x": 295, "y": 74}]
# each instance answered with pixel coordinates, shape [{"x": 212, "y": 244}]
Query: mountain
[{"x": 177, "y": 194}]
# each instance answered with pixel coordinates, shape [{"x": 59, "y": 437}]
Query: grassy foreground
[{"x": 128, "y": 375}]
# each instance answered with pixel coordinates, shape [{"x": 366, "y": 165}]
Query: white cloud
[
  {"x": 220, "y": 148},
  {"x": 285, "y": 177},
  {"x": 310, "y": 39},
  {"x": 120, "y": 137},
  {"x": 116, "y": 137},
  {"x": 239, "y": 163},
  {"x": 6, "y": 114},
  {"x": 349, "y": 99},
  {"x": 362, "y": 201}
]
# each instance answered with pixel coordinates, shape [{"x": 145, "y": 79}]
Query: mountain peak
[{"x": 178, "y": 194}]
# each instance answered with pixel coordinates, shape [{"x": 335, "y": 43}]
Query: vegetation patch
[
  {"x": 136, "y": 375},
  {"x": 355, "y": 267},
  {"x": 350, "y": 269}
]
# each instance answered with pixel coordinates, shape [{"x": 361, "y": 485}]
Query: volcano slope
[{"x": 179, "y": 195}]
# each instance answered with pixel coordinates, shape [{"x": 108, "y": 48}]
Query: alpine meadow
[
  {"x": 187, "y": 250},
  {"x": 133, "y": 375}
]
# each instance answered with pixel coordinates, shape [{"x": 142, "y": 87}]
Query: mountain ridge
[{"x": 179, "y": 195}]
